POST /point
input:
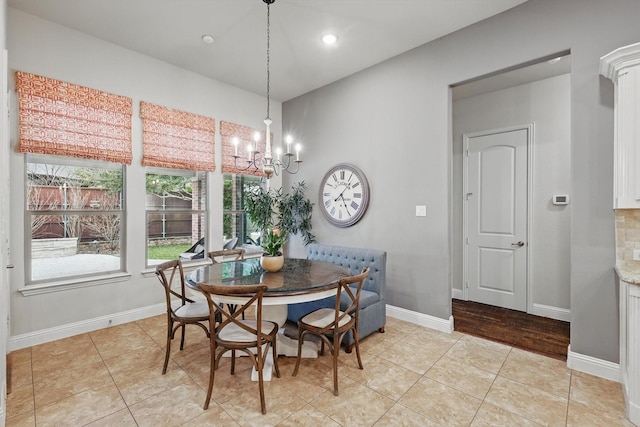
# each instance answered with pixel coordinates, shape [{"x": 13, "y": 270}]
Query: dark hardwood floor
[{"x": 540, "y": 335}]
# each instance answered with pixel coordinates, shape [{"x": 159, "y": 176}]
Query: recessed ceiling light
[
  {"x": 329, "y": 39},
  {"x": 207, "y": 39}
]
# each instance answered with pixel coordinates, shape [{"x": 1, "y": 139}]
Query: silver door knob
[{"x": 519, "y": 244}]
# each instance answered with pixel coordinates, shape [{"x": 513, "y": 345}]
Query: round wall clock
[{"x": 344, "y": 195}]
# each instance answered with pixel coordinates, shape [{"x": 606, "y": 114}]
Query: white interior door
[{"x": 496, "y": 217}]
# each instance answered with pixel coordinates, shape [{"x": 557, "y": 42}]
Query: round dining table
[{"x": 299, "y": 280}]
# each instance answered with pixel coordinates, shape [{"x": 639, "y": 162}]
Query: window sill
[
  {"x": 186, "y": 266},
  {"x": 65, "y": 285}
]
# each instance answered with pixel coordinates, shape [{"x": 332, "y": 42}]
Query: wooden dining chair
[
  {"x": 223, "y": 254},
  {"x": 253, "y": 337},
  {"x": 335, "y": 323},
  {"x": 181, "y": 311}
]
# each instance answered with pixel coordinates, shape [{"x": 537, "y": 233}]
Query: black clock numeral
[
  {"x": 357, "y": 195},
  {"x": 335, "y": 178},
  {"x": 342, "y": 174},
  {"x": 340, "y": 214},
  {"x": 327, "y": 202},
  {"x": 326, "y": 194},
  {"x": 333, "y": 211},
  {"x": 354, "y": 205},
  {"x": 355, "y": 185}
]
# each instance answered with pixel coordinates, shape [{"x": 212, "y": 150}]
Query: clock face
[{"x": 344, "y": 195}]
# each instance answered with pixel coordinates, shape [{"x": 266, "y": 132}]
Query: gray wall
[
  {"x": 44, "y": 48},
  {"x": 394, "y": 121},
  {"x": 3, "y": 24},
  {"x": 547, "y": 105}
]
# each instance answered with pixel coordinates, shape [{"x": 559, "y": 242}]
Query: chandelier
[{"x": 269, "y": 164}]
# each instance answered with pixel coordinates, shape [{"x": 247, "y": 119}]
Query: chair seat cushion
[
  {"x": 324, "y": 317},
  {"x": 235, "y": 333},
  {"x": 196, "y": 309}
]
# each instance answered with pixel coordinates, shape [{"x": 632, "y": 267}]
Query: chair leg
[
  {"x": 168, "y": 346},
  {"x": 299, "y": 356},
  {"x": 182, "y": 337},
  {"x": 335, "y": 353},
  {"x": 233, "y": 362},
  {"x": 260, "y": 362},
  {"x": 357, "y": 344},
  {"x": 212, "y": 372},
  {"x": 274, "y": 351}
]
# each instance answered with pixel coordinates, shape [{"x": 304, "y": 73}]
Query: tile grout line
[{"x": 114, "y": 383}]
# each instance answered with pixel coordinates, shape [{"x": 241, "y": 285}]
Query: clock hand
[
  {"x": 345, "y": 204},
  {"x": 340, "y": 195}
]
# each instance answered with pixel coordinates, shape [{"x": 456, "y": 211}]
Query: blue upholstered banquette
[{"x": 372, "y": 316}]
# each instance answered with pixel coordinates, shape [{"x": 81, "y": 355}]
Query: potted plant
[
  {"x": 277, "y": 215},
  {"x": 272, "y": 241}
]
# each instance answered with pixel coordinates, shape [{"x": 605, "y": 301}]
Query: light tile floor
[{"x": 413, "y": 376}]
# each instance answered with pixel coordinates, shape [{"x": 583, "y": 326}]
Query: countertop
[{"x": 629, "y": 272}]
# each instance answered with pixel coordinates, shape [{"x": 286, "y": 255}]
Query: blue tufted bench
[{"x": 373, "y": 313}]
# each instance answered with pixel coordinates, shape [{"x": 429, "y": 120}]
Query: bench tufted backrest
[{"x": 355, "y": 259}]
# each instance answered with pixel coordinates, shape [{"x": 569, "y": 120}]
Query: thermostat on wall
[{"x": 561, "y": 200}]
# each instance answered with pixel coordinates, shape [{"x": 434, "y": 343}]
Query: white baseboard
[
  {"x": 64, "y": 331},
  {"x": 457, "y": 293},
  {"x": 421, "y": 319},
  {"x": 591, "y": 365},
  {"x": 551, "y": 312}
]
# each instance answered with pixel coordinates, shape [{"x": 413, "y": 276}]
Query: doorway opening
[{"x": 511, "y": 164}]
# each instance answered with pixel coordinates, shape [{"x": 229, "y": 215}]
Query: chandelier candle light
[{"x": 268, "y": 164}]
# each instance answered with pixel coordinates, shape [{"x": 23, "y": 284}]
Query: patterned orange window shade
[
  {"x": 228, "y": 131},
  {"x": 65, "y": 119},
  {"x": 177, "y": 139}
]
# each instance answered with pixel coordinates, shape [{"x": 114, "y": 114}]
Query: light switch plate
[{"x": 421, "y": 210}]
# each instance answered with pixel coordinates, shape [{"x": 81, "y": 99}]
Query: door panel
[{"x": 497, "y": 218}]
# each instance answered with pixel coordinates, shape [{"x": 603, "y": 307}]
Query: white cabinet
[
  {"x": 622, "y": 66},
  {"x": 630, "y": 348}
]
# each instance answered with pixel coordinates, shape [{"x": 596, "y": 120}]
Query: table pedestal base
[{"x": 286, "y": 346}]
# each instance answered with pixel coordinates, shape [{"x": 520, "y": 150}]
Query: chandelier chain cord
[{"x": 268, "y": 56}]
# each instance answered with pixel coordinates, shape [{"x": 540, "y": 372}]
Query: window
[
  {"x": 235, "y": 221},
  {"x": 75, "y": 211},
  {"x": 176, "y": 213}
]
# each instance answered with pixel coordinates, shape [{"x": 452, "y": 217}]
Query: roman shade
[
  {"x": 66, "y": 119},
  {"x": 177, "y": 139},
  {"x": 245, "y": 134}
]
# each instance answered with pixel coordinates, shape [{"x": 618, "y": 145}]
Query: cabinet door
[
  {"x": 622, "y": 66},
  {"x": 627, "y": 131}
]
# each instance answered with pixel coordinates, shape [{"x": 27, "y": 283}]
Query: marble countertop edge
[{"x": 629, "y": 272}]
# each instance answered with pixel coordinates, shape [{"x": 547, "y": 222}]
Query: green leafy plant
[
  {"x": 272, "y": 242},
  {"x": 289, "y": 213}
]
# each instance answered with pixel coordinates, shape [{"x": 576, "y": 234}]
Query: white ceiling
[{"x": 369, "y": 32}]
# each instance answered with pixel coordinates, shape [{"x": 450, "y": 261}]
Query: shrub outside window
[{"x": 75, "y": 216}]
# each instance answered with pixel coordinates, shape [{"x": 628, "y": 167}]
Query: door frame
[
  {"x": 4, "y": 234},
  {"x": 465, "y": 207}
]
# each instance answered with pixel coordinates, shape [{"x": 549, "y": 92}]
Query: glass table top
[{"x": 298, "y": 276}]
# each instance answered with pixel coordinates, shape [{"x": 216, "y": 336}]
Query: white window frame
[
  {"x": 238, "y": 178},
  {"x": 203, "y": 212},
  {"x": 34, "y": 287}
]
